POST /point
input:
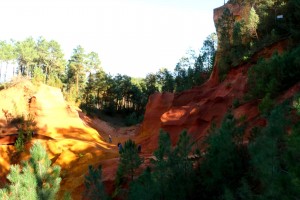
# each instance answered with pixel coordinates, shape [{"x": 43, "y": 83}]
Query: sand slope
[{"x": 70, "y": 141}]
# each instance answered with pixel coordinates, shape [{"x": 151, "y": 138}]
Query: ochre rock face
[
  {"x": 158, "y": 103},
  {"x": 193, "y": 110},
  {"x": 196, "y": 109},
  {"x": 70, "y": 142}
]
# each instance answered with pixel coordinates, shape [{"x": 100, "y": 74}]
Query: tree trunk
[
  {"x": 47, "y": 74},
  {"x": 5, "y": 71},
  {"x": 27, "y": 71},
  {"x": 77, "y": 84},
  {"x": 13, "y": 70},
  {"x": 1, "y": 70},
  {"x": 98, "y": 98}
]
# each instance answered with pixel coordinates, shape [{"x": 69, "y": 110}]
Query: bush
[
  {"x": 133, "y": 119},
  {"x": 296, "y": 103},
  {"x": 54, "y": 80},
  {"x": 236, "y": 103},
  {"x": 38, "y": 75},
  {"x": 19, "y": 144},
  {"x": 26, "y": 128},
  {"x": 94, "y": 188},
  {"x": 266, "y": 104}
]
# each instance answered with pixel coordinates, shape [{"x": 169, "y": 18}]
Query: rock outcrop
[
  {"x": 239, "y": 12},
  {"x": 69, "y": 141},
  {"x": 196, "y": 109}
]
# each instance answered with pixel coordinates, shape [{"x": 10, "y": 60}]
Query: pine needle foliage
[
  {"x": 94, "y": 185},
  {"x": 128, "y": 164},
  {"x": 34, "y": 179}
]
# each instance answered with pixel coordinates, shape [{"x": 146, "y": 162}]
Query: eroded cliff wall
[{"x": 196, "y": 109}]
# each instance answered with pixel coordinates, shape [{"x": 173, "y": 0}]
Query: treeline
[
  {"x": 82, "y": 79},
  {"x": 128, "y": 96},
  {"x": 267, "y": 22},
  {"x": 228, "y": 165},
  {"x": 33, "y": 58}
]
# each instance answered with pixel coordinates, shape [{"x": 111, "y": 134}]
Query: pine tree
[
  {"x": 130, "y": 159},
  {"x": 36, "y": 179},
  {"x": 94, "y": 188},
  {"x": 162, "y": 172},
  {"x": 252, "y": 23},
  {"x": 76, "y": 69},
  {"x": 129, "y": 162},
  {"x": 173, "y": 170},
  {"x": 292, "y": 156},
  {"x": 223, "y": 163},
  {"x": 145, "y": 187},
  {"x": 208, "y": 51},
  {"x": 27, "y": 54},
  {"x": 181, "y": 168},
  {"x": 267, "y": 157},
  {"x": 23, "y": 184},
  {"x": 89, "y": 91}
]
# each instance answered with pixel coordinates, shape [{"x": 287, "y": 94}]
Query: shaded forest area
[{"x": 84, "y": 82}]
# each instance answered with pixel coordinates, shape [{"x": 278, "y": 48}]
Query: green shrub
[
  {"x": 26, "y": 127},
  {"x": 275, "y": 75},
  {"x": 54, "y": 80},
  {"x": 19, "y": 144},
  {"x": 94, "y": 187},
  {"x": 236, "y": 103},
  {"x": 296, "y": 103},
  {"x": 38, "y": 75},
  {"x": 133, "y": 119},
  {"x": 266, "y": 104}
]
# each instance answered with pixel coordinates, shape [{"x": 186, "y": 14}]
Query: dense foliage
[
  {"x": 94, "y": 188},
  {"x": 268, "y": 21},
  {"x": 227, "y": 165},
  {"x": 268, "y": 78},
  {"x": 128, "y": 164}
]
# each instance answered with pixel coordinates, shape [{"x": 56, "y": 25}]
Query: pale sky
[{"x": 132, "y": 37}]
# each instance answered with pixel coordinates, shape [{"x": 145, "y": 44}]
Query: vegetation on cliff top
[{"x": 267, "y": 22}]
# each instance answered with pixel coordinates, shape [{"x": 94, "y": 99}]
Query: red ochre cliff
[
  {"x": 196, "y": 109},
  {"x": 75, "y": 141}
]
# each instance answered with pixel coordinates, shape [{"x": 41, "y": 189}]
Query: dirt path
[{"x": 118, "y": 134}]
